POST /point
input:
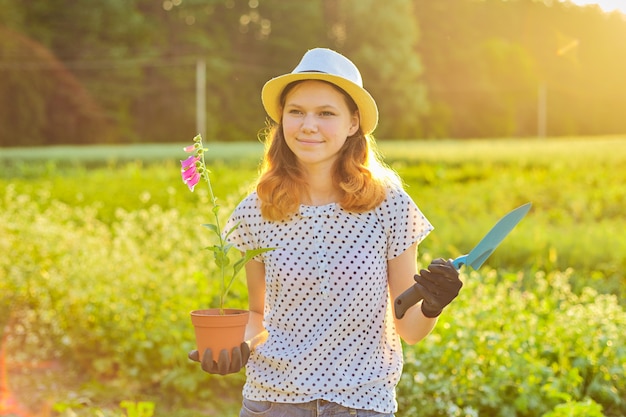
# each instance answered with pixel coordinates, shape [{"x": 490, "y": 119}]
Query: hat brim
[{"x": 368, "y": 111}]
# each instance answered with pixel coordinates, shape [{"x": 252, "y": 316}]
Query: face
[{"x": 316, "y": 122}]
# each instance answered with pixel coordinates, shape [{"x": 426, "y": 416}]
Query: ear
[{"x": 355, "y": 122}]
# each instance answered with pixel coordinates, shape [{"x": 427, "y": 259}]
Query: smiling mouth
[{"x": 309, "y": 140}]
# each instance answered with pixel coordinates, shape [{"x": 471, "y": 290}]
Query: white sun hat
[{"x": 330, "y": 66}]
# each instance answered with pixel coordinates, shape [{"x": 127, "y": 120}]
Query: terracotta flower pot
[{"x": 216, "y": 331}]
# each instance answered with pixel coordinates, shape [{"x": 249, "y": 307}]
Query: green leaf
[
  {"x": 221, "y": 260},
  {"x": 214, "y": 248},
  {"x": 248, "y": 256},
  {"x": 212, "y": 227},
  {"x": 231, "y": 230}
]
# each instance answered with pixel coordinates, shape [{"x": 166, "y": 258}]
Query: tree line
[{"x": 124, "y": 71}]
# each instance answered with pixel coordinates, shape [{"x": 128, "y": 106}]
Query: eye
[
  {"x": 327, "y": 113},
  {"x": 294, "y": 111}
]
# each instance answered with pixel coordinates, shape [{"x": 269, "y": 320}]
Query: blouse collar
[{"x": 316, "y": 211}]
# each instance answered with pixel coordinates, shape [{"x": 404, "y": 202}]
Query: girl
[{"x": 322, "y": 338}]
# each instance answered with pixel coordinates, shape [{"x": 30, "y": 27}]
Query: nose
[{"x": 309, "y": 123}]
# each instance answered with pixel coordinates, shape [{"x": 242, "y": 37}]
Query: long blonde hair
[{"x": 358, "y": 173}]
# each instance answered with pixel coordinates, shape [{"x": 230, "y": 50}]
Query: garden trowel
[{"x": 475, "y": 258}]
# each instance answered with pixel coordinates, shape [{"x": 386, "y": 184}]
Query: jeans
[{"x": 317, "y": 408}]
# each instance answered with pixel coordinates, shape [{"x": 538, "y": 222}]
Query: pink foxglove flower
[
  {"x": 193, "y": 169},
  {"x": 190, "y": 173}
]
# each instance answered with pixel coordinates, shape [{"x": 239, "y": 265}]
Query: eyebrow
[{"x": 323, "y": 106}]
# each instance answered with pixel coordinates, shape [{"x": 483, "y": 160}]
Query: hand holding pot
[
  {"x": 439, "y": 285},
  {"x": 224, "y": 364}
]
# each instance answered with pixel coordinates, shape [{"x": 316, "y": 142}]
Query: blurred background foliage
[
  {"x": 104, "y": 265},
  {"x": 124, "y": 71}
]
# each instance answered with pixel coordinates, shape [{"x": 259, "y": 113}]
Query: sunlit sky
[{"x": 606, "y": 5}]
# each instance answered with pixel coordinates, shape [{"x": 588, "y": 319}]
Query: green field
[{"x": 102, "y": 262}]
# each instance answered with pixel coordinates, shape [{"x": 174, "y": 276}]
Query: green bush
[
  {"x": 105, "y": 262},
  {"x": 519, "y": 344},
  {"x": 110, "y": 301}
]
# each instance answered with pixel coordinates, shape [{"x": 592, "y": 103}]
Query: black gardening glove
[
  {"x": 223, "y": 365},
  {"x": 439, "y": 285}
]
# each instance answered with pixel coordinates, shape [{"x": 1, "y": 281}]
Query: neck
[
  {"x": 320, "y": 199},
  {"x": 320, "y": 189}
]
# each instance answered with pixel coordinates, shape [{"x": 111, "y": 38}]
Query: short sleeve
[
  {"x": 403, "y": 222},
  {"x": 248, "y": 223}
]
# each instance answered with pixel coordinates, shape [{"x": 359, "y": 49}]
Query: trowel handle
[
  {"x": 459, "y": 262},
  {"x": 407, "y": 299},
  {"x": 413, "y": 295}
]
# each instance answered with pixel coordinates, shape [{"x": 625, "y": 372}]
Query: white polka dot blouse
[{"x": 327, "y": 307}]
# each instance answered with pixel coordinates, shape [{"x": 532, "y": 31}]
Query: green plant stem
[{"x": 215, "y": 210}]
